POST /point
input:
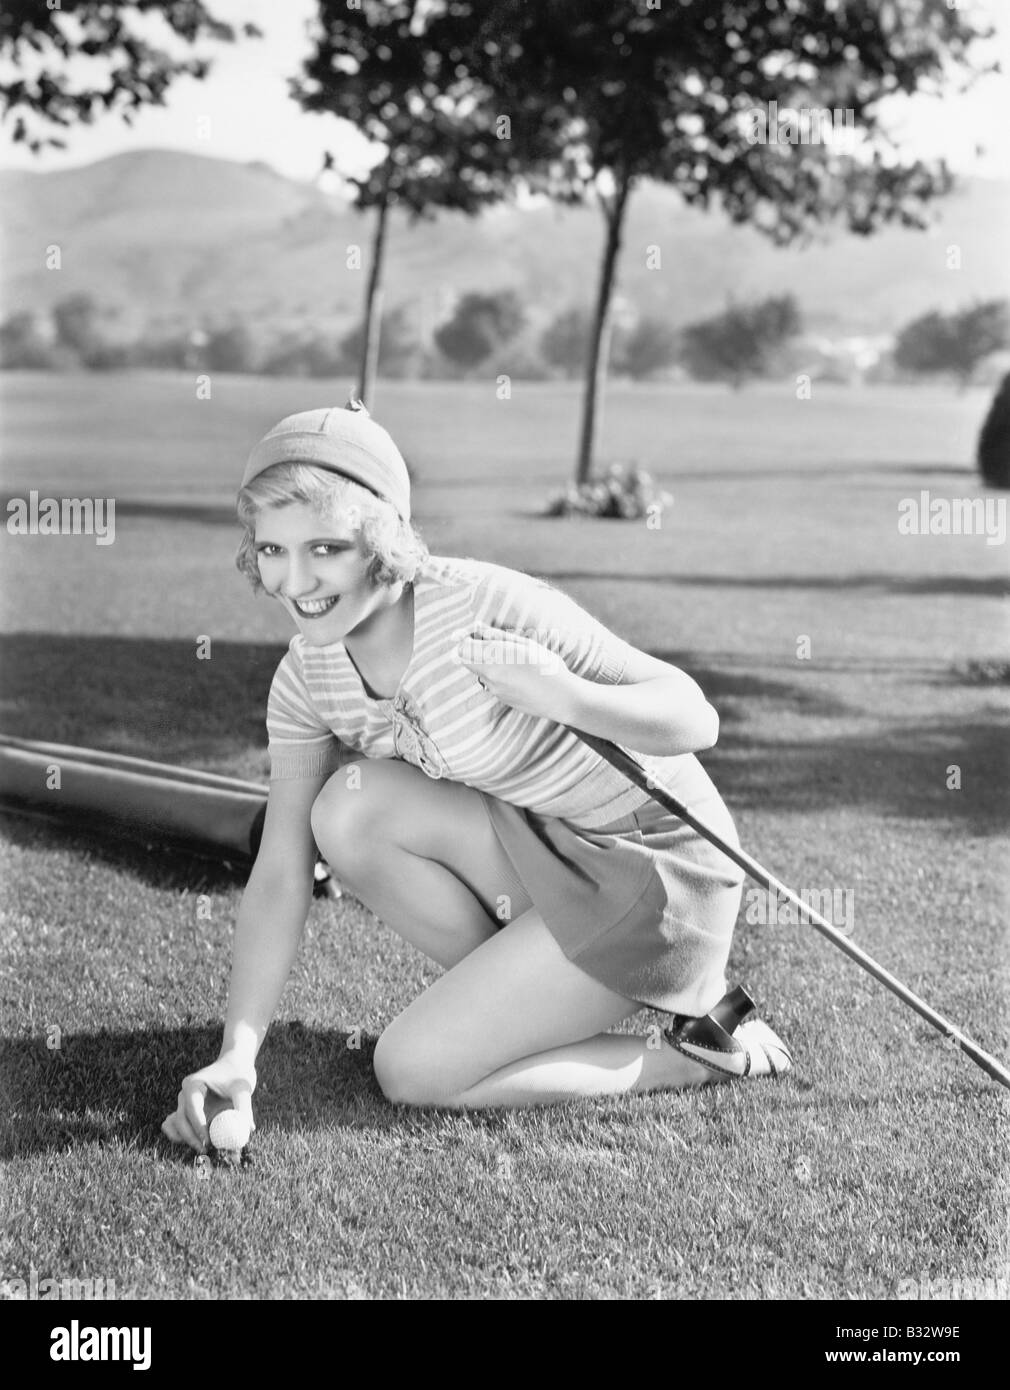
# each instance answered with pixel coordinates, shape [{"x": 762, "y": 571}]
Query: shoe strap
[
  {"x": 732, "y": 1009},
  {"x": 714, "y": 1030}
]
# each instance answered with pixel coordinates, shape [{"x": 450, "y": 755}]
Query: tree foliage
[
  {"x": 742, "y": 341},
  {"x": 954, "y": 343},
  {"x": 399, "y": 344},
  {"x": 75, "y": 61},
  {"x": 603, "y": 95},
  {"x": 479, "y": 324},
  {"x": 564, "y": 342},
  {"x": 650, "y": 346}
]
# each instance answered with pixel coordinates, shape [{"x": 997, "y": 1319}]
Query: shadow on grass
[
  {"x": 117, "y": 1087},
  {"x": 900, "y": 770},
  {"x": 153, "y": 699},
  {"x": 164, "y": 867},
  {"x": 927, "y": 585},
  {"x": 147, "y": 697}
]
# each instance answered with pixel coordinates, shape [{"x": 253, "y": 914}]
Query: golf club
[{"x": 626, "y": 763}]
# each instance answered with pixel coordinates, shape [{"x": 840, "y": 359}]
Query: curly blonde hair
[{"x": 392, "y": 545}]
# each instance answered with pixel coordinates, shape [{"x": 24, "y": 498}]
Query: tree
[
  {"x": 75, "y": 60},
  {"x": 24, "y": 343},
  {"x": 741, "y": 342},
  {"x": 479, "y": 324},
  {"x": 396, "y": 343},
  {"x": 994, "y": 439},
  {"x": 602, "y": 96},
  {"x": 650, "y": 346},
  {"x": 565, "y": 340},
  {"x": 76, "y": 320},
  {"x": 230, "y": 349},
  {"x": 401, "y": 72},
  {"x": 956, "y": 342}
]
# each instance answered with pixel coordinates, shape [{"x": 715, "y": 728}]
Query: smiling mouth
[{"x": 315, "y": 608}]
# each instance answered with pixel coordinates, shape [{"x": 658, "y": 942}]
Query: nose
[{"x": 299, "y": 580}]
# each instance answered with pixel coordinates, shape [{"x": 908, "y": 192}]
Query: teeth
[{"x": 319, "y": 605}]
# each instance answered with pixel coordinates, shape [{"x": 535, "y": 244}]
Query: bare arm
[
  {"x": 269, "y": 926},
  {"x": 271, "y": 916},
  {"x": 659, "y": 710}
]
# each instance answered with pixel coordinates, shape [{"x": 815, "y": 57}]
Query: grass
[{"x": 880, "y": 1159}]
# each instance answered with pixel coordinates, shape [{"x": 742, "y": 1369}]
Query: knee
[
  {"x": 407, "y": 1073},
  {"x": 343, "y": 819}
]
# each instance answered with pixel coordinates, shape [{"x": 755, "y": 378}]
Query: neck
[{"x": 386, "y": 625}]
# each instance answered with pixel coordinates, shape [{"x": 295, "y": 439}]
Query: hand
[
  {"x": 226, "y": 1084},
  {"x": 520, "y": 672}
]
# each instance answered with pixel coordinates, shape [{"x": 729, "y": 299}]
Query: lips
[{"x": 315, "y": 608}]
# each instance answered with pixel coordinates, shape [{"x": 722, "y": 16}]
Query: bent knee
[
  {"x": 344, "y": 814},
  {"x": 408, "y": 1074}
]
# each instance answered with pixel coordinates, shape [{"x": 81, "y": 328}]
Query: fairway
[{"x": 853, "y": 668}]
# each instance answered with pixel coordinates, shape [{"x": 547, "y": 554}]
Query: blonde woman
[{"x": 417, "y": 740}]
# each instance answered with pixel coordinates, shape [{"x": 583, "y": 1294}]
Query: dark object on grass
[
  {"x": 197, "y": 812},
  {"x": 994, "y": 439},
  {"x": 625, "y": 762}
]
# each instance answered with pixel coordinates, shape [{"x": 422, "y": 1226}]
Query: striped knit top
[{"x": 319, "y": 716}]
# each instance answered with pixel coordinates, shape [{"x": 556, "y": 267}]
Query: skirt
[{"x": 643, "y": 904}]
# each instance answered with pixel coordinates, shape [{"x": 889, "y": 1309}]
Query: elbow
[{"x": 708, "y": 728}]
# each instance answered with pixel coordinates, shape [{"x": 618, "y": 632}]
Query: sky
[{"x": 243, "y": 111}]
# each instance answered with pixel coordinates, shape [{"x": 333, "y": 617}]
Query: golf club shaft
[{"x": 624, "y": 761}]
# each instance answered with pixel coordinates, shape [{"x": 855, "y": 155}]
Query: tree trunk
[
  {"x": 599, "y": 341},
  {"x": 372, "y": 336}
]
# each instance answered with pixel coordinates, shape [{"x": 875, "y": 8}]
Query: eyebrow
[{"x": 319, "y": 540}]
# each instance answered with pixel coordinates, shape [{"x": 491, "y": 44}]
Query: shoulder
[
  {"x": 484, "y": 580},
  {"x": 306, "y": 670}
]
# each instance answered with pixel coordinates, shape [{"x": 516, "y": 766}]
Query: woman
[{"x": 417, "y": 738}]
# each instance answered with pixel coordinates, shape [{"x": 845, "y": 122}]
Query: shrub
[
  {"x": 627, "y": 492},
  {"x": 994, "y": 439}
]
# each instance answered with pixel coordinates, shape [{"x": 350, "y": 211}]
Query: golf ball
[{"x": 230, "y": 1131}]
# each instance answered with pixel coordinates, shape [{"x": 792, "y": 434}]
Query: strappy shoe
[{"x": 725, "y": 1043}]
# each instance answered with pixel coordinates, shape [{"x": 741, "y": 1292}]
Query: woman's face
[{"x": 314, "y": 567}]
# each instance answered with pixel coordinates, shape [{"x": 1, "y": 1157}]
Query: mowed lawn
[{"x": 879, "y": 1161}]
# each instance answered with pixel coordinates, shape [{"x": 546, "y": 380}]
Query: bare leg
[
  {"x": 513, "y": 1022},
  {"x": 421, "y": 854},
  {"x": 516, "y": 1024}
]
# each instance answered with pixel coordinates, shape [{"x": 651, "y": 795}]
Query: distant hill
[{"x": 170, "y": 238}]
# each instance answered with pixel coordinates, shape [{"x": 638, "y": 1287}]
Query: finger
[
  {"x": 178, "y": 1130},
  {"x": 471, "y": 650},
  {"x": 192, "y": 1103},
  {"x": 241, "y": 1095}
]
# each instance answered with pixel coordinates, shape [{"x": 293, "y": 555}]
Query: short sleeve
[
  {"x": 301, "y": 744},
  {"x": 521, "y": 603}
]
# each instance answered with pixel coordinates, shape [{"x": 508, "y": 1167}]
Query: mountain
[{"x": 165, "y": 237}]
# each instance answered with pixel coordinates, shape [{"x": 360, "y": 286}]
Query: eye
[
  {"x": 267, "y": 551},
  {"x": 328, "y": 548}
]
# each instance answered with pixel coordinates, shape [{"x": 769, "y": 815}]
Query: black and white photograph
[{"x": 504, "y": 765}]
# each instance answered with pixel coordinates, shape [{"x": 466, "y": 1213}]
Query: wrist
[
  {"x": 240, "y": 1046},
  {"x": 565, "y": 696}
]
